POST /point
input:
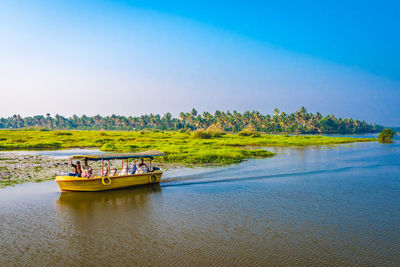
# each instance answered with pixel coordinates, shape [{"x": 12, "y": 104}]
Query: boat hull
[{"x": 71, "y": 183}]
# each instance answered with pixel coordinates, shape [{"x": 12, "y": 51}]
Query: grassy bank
[{"x": 188, "y": 147}]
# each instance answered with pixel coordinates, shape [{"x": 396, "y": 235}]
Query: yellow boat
[{"x": 106, "y": 180}]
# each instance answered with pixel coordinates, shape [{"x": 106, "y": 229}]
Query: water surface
[{"x": 309, "y": 206}]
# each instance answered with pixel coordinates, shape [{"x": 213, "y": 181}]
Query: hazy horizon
[{"x": 139, "y": 57}]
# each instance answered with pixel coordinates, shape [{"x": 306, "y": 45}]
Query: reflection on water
[
  {"x": 89, "y": 200},
  {"x": 308, "y": 206},
  {"x": 86, "y": 207}
]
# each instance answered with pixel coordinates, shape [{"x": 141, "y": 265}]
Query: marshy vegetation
[
  {"x": 18, "y": 168},
  {"x": 185, "y": 147}
]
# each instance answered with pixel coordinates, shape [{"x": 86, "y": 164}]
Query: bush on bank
[{"x": 386, "y": 136}]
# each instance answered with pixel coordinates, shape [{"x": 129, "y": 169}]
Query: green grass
[{"x": 180, "y": 147}]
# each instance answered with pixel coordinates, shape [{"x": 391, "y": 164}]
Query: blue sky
[{"x": 136, "y": 57}]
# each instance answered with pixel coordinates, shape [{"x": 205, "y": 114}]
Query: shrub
[
  {"x": 108, "y": 147},
  {"x": 144, "y": 131},
  {"x": 103, "y": 140},
  {"x": 386, "y": 136},
  {"x": 207, "y": 134},
  {"x": 216, "y": 131},
  {"x": 216, "y": 134},
  {"x": 62, "y": 133},
  {"x": 201, "y": 134},
  {"x": 249, "y": 132}
]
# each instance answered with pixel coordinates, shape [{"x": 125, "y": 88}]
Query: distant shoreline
[{"x": 299, "y": 122}]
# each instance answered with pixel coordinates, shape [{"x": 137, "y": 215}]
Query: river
[{"x": 307, "y": 206}]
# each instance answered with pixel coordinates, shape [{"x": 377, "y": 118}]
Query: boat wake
[{"x": 215, "y": 176}]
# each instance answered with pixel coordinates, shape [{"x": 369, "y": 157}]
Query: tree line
[{"x": 279, "y": 122}]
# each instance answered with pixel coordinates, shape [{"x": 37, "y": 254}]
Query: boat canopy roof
[{"x": 108, "y": 156}]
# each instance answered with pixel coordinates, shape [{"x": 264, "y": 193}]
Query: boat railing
[
  {"x": 118, "y": 172},
  {"x": 98, "y": 173}
]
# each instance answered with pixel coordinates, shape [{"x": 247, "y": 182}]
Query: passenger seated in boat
[
  {"x": 113, "y": 172},
  {"x": 87, "y": 171},
  {"x": 124, "y": 170},
  {"x": 77, "y": 168},
  {"x": 134, "y": 168},
  {"x": 142, "y": 168}
]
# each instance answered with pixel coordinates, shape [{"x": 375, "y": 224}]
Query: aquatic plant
[{"x": 185, "y": 148}]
